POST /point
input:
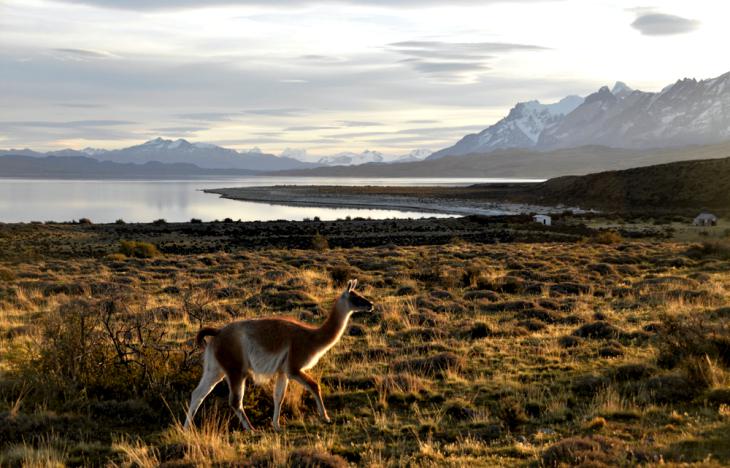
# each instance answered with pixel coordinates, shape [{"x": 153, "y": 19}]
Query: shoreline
[{"x": 450, "y": 201}]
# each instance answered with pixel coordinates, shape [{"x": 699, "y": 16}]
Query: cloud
[
  {"x": 178, "y": 130},
  {"x": 144, "y": 5},
  {"x": 453, "y": 59},
  {"x": 80, "y": 105},
  {"x": 358, "y": 123},
  {"x": 660, "y": 24},
  {"x": 208, "y": 116},
  {"x": 80, "y": 54},
  {"x": 285, "y": 112},
  {"x": 309, "y": 128},
  {"x": 71, "y": 124}
]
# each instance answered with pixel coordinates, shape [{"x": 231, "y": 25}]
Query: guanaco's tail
[{"x": 207, "y": 331}]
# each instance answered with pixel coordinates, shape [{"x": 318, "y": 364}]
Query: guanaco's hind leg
[
  {"x": 279, "y": 391},
  {"x": 237, "y": 387},
  {"x": 212, "y": 374},
  {"x": 313, "y": 387}
]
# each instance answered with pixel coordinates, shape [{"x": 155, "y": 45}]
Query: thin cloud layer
[
  {"x": 323, "y": 75},
  {"x": 660, "y": 24},
  {"x": 453, "y": 59},
  {"x": 142, "y": 5}
]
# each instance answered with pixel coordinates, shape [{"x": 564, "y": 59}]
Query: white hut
[
  {"x": 545, "y": 220},
  {"x": 705, "y": 219}
]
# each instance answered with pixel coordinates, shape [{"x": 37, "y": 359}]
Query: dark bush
[
  {"x": 669, "y": 389},
  {"x": 597, "y": 330},
  {"x": 470, "y": 276},
  {"x": 85, "y": 221},
  {"x": 310, "y": 458},
  {"x": 107, "y": 349},
  {"x": 340, "y": 274},
  {"x": 512, "y": 413},
  {"x": 320, "y": 242},
  {"x": 138, "y": 249},
  {"x": 717, "y": 249},
  {"x": 594, "y": 451},
  {"x": 6, "y": 275},
  {"x": 693, "y": 336},
  {"x": 606, "y": 237}
]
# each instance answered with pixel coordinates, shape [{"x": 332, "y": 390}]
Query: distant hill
[
  {"x": 88, "y": 168},
  {"x": 703, "y": 184},
  {"x": 517, "y": 163},
  {"x": 688, "y": 112}
]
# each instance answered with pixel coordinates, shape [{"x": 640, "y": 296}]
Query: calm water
[{"x": 104, "y": 201}]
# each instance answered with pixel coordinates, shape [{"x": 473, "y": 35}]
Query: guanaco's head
[{"x": 351, "y": 301}]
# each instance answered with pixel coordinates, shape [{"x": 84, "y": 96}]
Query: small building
[
  {"x": 705, "y": 219},
  {"x": 545, "y": 220}
]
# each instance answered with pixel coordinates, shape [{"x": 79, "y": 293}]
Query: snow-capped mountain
[
  {"x": 93, "y": 151},
  {"x": 352, "y": 159},
  {"x": 205, "y": 155},
  {"x": 685, "y": 113},
  {"x": 366, "y": 157},
  {"x": 520, "y": 129},
  {"x": 416, "y": 155}
]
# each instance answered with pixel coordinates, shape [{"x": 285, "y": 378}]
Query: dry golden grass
[{"x": 476, "y": 354}]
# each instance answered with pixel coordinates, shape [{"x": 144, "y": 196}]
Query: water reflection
[{"x": 104, "y": 201}]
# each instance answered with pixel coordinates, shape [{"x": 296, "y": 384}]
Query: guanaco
[{"x": 262, "y": 348}]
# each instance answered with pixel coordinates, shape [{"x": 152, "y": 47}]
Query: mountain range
[
  {"x": 607, "y": 129},
  {"x": 688, "y": 112},
  {"x": 70, "y": 167},
  {"x": 210, "y": 156}
]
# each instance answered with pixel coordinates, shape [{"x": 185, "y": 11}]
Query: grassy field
[{"x": 600, "y": 351}]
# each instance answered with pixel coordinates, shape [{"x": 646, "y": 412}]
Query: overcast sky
[{"x": 326, "y": 76}]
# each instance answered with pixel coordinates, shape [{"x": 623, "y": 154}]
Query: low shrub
[
  {"x": 110, "y": 349},
  {"x": 593, "y": 451},
  {"x": 320, "y": 242},
  {"x": 717, "y": 249},
  {"x": 6, "y": 275},
  {"x": 606, "y": 237},
  {"x": 138, "y": 249},
  {"x": 693, "y": 336},
  {"x": 340, "y": 273}
]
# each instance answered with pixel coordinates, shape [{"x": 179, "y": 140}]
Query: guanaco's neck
[{"x": 332, "y": 328}]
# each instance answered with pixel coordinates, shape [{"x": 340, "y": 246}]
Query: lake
[{"x": 105, "y": 201}]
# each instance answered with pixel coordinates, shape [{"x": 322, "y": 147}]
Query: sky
[{"x": 321, "y": 77}]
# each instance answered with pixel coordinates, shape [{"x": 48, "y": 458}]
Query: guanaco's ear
[{"x": 351, "y": 285}]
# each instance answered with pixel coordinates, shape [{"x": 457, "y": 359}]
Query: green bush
[{"x": 138, "y": 249}]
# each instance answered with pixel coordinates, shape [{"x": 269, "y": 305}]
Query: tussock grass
[{"x": 475, "y": 354}]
